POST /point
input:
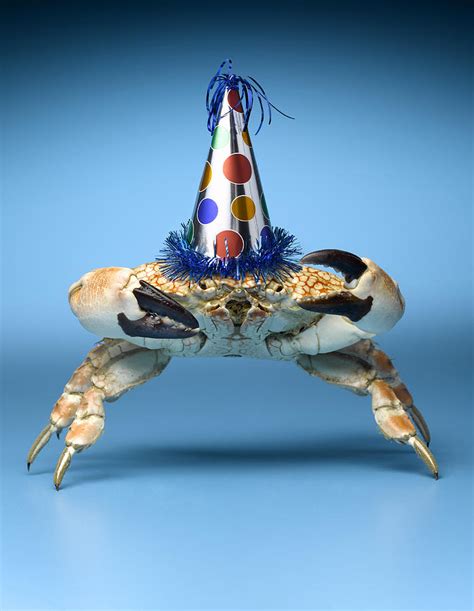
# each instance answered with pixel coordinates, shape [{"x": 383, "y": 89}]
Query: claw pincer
[
  {"x": 342, "y": 303},
  {"x": 350, "y": 265},
  {"x": 165, "y": 318}
]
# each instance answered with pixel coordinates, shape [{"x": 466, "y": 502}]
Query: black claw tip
[
  {"x": 152, "y": 326},
  {"x": 340, "y": 304},
  {"x": 28, "y": 465},
  {"x": 350, "y": 265},
  {"x": 436, "y": 475},
  {"x": 165, "y": 318},
  {"x": 152, "y": 300},
  {"x": 58, "y": 434},
  {"x": 57, "y": 487}
]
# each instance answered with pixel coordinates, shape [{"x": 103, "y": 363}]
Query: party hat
[{"x": 230, "y": 233}]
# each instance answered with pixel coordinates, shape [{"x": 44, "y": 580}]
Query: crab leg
[
  {"x": 368, "y": 351},
  {"x": 66, "y": 406},
  {"x": 359, "y": 375},
  {"x": 108, "y": 371}
]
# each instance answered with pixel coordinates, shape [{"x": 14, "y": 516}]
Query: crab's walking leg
[
  {"x": 368, "y": 351},
  {"x": 363, "y": 375},
  {"x": 109, "y": 370}
]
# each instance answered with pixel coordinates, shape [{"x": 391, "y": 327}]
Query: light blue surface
[{"x": 236, "y": 484}]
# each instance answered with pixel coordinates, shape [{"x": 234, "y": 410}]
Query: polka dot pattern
[
  {"x": 265, "y": 236},
  {"x": 190, "y": 232},
  {"x": 233, "y": 99},
  {"x": 207, "y": 211},
  {"x": 243, "y": 208},
  {"x": 229, "y": 243},
  {"x": 237, "y": 168},
  {"x": 206, "y": 177},
  {"x": 220, "y": 137},
  {"x": 231, "y": 216},
  {"x": 246, "y": 138}
]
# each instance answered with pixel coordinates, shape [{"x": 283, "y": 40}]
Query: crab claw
[
  {"x": 165, "y": 318},
  {"x": 351, "y": 266},
  {"x": 112, "y": 302},
  {"x": 370, "y": 297}
]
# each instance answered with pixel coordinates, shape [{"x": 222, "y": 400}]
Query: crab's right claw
[
  {"x": 165, "y": 318},
  {"x": 112, "y": 302},
  {"x": 370, "y": 297}
]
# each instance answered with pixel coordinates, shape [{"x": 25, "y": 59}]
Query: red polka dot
[
  {"x": 233, "y": 99},
  {"x": 237, "y": 168},
  {"x": 229, "y": 244}
]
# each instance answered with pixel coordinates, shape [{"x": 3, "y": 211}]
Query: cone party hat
[
  {"x": 230, "y": 217},
  {"x": 230, "y": 233}
]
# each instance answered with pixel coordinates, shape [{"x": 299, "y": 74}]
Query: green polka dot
[
  {"x": 264, "y": 205},
  {"x": 220, "y": 137},
  {"x": 190, "y": 232}
]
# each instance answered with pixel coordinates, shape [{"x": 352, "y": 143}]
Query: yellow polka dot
[
  {"x": 246, "y": 138},
  {"x": 243, "y": 208},
  {"x": 206, "y": 177}
]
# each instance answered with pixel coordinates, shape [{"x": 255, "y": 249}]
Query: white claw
[
  {"x": 351, "y": 285},
  {"x": 388, "y": 305}
]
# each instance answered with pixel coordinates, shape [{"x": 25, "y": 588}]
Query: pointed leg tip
[
  {"x": 57, "y": 486},
  {"x": 436, "y": 475},
  {"x": 28, "y": 465}
]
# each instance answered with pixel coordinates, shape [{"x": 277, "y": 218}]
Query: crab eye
[{"x": 202, "y": 285}]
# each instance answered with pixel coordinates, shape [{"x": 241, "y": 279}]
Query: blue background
[{"x": 233, "y": 484}]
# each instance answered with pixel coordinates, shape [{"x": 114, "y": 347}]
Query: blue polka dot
[
  {"x": 207, "y": 211},
  {"x": 265, "y": 236}
]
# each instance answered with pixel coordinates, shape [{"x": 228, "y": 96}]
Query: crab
[{"x": 324, "y": 322}]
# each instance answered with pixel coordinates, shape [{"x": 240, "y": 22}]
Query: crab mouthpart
[{"x": 238, "y": 310}]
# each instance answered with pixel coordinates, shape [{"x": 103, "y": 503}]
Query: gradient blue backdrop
[{"x": 231, "y": 484}]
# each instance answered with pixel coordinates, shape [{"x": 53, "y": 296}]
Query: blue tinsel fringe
[{"x": 179, "y": 261}]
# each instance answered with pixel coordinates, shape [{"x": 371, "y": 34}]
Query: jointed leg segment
[
  {"x": 369, "y": 352},
  {"x": 365, "y": 369},
  {"x": 108, "y": 371}
]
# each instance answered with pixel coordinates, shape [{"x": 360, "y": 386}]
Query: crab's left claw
[{"x": 370, "y": 297}]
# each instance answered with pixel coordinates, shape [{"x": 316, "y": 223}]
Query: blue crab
[{"x": 322, "y": 321}]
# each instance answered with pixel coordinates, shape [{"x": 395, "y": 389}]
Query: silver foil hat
[
  {"x": 230, "y": 216},
  {"x": 229, "y": 234}
]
